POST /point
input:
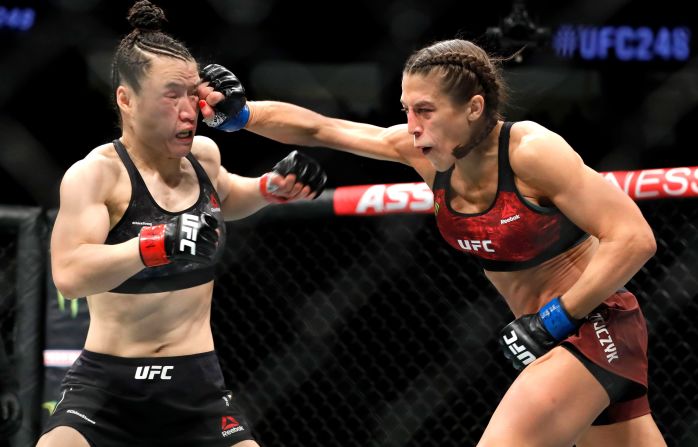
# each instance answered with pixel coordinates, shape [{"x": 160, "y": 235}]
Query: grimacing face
[
  {"x": 436, "y": 123},
  {"x": 166, "y": 107}
]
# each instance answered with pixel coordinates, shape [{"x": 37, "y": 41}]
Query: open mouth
[
  {"x": 426, "y": 150},
  {"x": 185, "y": 134}
]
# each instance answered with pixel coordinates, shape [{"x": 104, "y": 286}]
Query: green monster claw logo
[
  {"x": 61, "y": 304},
  {"x": 436, "y": 208},
  {"x": 49, "y": 406}
]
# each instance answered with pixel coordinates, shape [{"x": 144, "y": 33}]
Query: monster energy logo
[
  {"x": 61, "y": 304},
  {"x": 50, "y": 406}
]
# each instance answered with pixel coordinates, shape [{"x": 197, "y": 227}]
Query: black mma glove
[
  {"x": 232, "y": 113},
  {"x": 308, "y": 172},
  {"x": 188, "y": 237},
  {"x": 532, "y": 335}
]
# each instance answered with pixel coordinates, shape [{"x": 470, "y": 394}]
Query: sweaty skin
[
  {"x": 584, "y": 275},
  {"x": 548, "y": 172},
  {"x": 158, "y": 132}
]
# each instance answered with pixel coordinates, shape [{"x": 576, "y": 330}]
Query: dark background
[
  {"x": 342, "y": 59},
  {"x": 299, "y": 341}
]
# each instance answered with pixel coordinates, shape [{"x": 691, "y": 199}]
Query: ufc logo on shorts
[
  {"x": 190, "y": 229},
  {"x": 476, "y": 245},
  {"x": 153, "y": 371},
  {"x": 518, "y": 350}
]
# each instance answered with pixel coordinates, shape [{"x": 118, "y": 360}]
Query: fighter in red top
[
  {"x": 523, "y": 208},
  {"x": 512, "y": 233}
]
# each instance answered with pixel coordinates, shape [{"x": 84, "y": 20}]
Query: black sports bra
[{"x": 144, "y": 211}]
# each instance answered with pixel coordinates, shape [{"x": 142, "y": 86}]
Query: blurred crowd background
[{"x": 616, "y": 78}]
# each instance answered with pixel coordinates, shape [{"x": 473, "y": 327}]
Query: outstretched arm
[
  {"x": 296, "y": 177},
  {"x": 291, "y": 124}
]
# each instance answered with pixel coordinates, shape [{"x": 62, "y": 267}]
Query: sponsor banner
[
  {"x": 60, "y": 358},
  {"x": 665, "y": 183},
  {"x": 383, "y": 199},
  {"x": 394, "y": 198}
]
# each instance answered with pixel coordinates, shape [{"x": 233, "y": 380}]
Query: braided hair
[
  {"x": 467, "y": 70},
  {"x": 135, "y": 52}
]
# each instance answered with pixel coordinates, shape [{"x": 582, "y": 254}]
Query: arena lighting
[
  {"x": 623, "y": 43},
  {"x": 16, "y": 18},
  {"x": 517, "y": 32}
]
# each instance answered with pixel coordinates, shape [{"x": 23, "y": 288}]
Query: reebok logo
[
  {"x": 78, "y": 414},
  {"x": 150, "y": 372},
  {"x": 509, "y": 219},
  {"x": 229, "y": 426},
  {"x": 228, "y": 422},
  {"x": 604, "y": 337},
  {"x": 214, "y": 203}
]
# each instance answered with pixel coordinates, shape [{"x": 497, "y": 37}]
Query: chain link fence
[
  {"x": 8, "y": 294},
  {"x": 22, "y": 258},
  {"x": 372, "y": 331},
  {"x": 8, "y": 307}
]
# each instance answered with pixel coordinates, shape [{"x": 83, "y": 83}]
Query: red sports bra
[{"x": 513, "y": 233}]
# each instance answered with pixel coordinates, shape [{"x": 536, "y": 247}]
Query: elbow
[
  {"x": 646, "y": 244},
  {"x": 651, "y": 245},
  {"x": 66, "y": 286}
]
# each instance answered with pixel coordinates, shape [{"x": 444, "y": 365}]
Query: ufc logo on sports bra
[
  {"x": 190, "y": 229},
  {"x": 476, "y": 245},
  {"x": 153, "y": 371}
]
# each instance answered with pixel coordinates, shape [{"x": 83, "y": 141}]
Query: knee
[
  {"x": 494, "y": 439},
  {"x": 62, "y": 437}
]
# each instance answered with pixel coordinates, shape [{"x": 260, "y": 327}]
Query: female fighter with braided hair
[
  {"x": 555, "y": 239},
  {"x": 138, "y": 232}
]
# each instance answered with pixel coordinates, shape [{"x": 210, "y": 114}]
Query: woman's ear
[
  {"x": 476, "y": 106},
  {"x": 124, "y": 99}
]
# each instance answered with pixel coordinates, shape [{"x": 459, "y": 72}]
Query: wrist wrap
[
  {"x": 236, "y": 122},
  {"x": 556, "y": 319},
  {"x": 151, "y": 242},
  {"x": 268, "y": 193}
]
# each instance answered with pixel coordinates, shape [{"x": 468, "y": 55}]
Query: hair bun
[{"x": 143, "y": 15}]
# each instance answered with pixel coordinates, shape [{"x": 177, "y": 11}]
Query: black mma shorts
[{"x": 154, "y": 401}]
